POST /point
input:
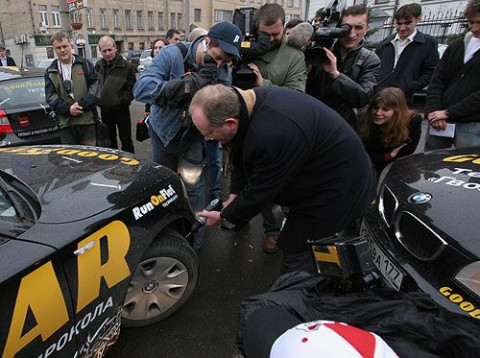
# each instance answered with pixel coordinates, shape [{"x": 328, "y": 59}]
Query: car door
[{"x": 36, "y": 307}]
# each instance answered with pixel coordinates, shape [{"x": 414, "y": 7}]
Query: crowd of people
[{"x": 306, "y": 139}]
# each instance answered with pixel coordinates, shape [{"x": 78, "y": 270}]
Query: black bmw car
[
  {"x": 90, "y": 238},
  {"x": 423, "y": 228},
  {"x": 25, "y": 117}
]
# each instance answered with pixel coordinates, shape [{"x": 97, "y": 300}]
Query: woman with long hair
[{"x": 388, "y": 128}]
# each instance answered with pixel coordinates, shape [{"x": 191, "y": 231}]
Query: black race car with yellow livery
[
  {"x": 90, "y": 238},
  {"x": 424, "y": 227}
]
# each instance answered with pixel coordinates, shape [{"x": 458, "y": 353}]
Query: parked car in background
[
  {"x": 90, "y": 238},
  {"x": 25, "y": 116},
  {"x": 423, "y": 228},
  {"x": 145, "y": 60},
  {"x": 133, "y": 57}
]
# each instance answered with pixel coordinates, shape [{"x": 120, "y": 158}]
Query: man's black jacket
[{"x": 295, "y": 151}]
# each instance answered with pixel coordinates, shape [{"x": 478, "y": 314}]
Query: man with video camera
[
  {"x": 176, "y": 73},
  {"x": 346, "y": 77}
]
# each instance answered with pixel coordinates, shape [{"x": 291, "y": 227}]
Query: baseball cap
[{"x": 228, "y": 35}]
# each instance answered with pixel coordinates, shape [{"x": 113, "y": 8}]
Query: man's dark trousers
[{"x": 119, "y": 118}]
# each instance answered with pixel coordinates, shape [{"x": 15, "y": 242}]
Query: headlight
[{"x": 469, "y": 276}]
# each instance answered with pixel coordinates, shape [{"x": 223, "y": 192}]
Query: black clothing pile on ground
[{"x": 411, "y": 323}]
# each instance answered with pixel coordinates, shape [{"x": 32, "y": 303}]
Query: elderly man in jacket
[
  {"x": 346, "y": 78},
  {"x": 117, "y": 78},
  {"x": 298, "y": 153}
]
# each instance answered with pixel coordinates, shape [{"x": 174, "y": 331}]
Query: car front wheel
[{"x": 162, "y": 282}]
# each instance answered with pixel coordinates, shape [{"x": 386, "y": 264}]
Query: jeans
[
  {"x": 273, "y": 217},
  {"x": 214, "y": 156},
  {"x": 466, "y": 135},
  {"x": 81, "y": 134},
  {"x": 121, "y": 119},
  {"x": 193, "y": 176}
]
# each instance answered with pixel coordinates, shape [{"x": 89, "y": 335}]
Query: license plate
[{"x": 386, "y": 267}]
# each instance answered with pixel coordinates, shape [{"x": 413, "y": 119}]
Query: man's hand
[
  {"x": 256, "y": 71},
  {"x": 213, "y": 217},
  {"x": 331, "y": 66},
  {"x": 76, "y": 110},
  {"x": 438, "y": 119}
]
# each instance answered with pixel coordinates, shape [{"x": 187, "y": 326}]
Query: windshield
[
  {"x": 146, "y": 54},
  {"x": 22, "y": 92}
]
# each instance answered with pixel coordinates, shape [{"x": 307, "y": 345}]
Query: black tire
[{"x": 163, "y": 281}]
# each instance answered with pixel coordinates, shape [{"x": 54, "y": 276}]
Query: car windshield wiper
[{"x": 5, "y": 100}]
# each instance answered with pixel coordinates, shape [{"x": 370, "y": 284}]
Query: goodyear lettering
[
  {"x": 165, "y": 197},
  {"x": 40, "y": 293},
  {"x": 71, "y": 152},
  {"x": 458, "y": 299},
  {"x": 463, "y": 158}
]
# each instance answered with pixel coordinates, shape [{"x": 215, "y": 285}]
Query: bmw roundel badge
[{"x": 419, "y": 198}]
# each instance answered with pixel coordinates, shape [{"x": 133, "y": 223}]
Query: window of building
[
  {"x": 179, "y": 21},
  {"x": 172, "y": 20},
  {"x": 382, "y": 1},
  {"x": 197, "y": 15},
  {"x": 116, "y": 18},
  {"x": 142, "y": 45},
  {"x": 150, "y": 20},
  {"x": 90, "y": 22},
  {"x": 56, "y": 16},
  {"x": 128, "y": 19},
  {"x": 222, "y": 15},
  {"x": 290, "y": 3},
  {"x": 139, "y": 19},
  {"x": 103, "y": 18},
  {"x": 161, "y": 26},
  {"x": 42, "y": 10},
  {"x": 76, "y": 16},
  {"x": 130, "y": 45}
]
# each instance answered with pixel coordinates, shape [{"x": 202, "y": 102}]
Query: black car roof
[{"x": 12, "y": 72}]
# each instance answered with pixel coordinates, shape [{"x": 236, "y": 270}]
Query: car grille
[
  {"x": 417, "y": 238},
  {"x": 387, "y": 205}
]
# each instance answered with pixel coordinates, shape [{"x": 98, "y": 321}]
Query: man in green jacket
[
  {"x": 117, "y": 78},
  {"x": 282, "y": 65},
  {"x": 71, "y": 88}
]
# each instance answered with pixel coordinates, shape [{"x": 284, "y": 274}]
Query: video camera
[
  {"x": 327, "y": 32},
  {"x": 254, "y": 44}
]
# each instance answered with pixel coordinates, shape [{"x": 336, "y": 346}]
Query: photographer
[
  {"x": 174, "y": 142},
  {"x": 347, "y": 77}
]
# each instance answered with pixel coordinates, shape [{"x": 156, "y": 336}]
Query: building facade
[{"x": 26, "y": 26}]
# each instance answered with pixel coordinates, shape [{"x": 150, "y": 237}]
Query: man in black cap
[{"x": 172, "y": 144}]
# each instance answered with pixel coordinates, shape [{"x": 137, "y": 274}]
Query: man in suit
[{"x": 4, "y": 59}]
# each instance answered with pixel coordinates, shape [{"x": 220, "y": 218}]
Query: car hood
[
  {"x": 441, "y": 188},
  {"x": 74, "y": 182}
]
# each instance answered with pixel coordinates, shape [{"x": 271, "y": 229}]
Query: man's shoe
[{"x": 270, "y": 244}]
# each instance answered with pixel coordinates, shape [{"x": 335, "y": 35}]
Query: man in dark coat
[
  {"x": 117, "y": 78},
  {"x": 454, "y": 92},
  {"x": 409, "y": 56},
  {"x": 297, "y": 153},
  {"x": 4, "y": 59}
]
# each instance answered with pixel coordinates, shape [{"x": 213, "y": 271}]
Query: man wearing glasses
[{"x": 409, "y": 56}]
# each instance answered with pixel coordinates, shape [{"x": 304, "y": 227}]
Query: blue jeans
[
  {"x": 272, "y": 216},
  {"x": 214, "y": 165},
  {"x": 193, "y": 175},
  {"x": 466, "y": 135}
]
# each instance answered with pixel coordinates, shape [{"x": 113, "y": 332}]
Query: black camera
[
  {"x": 254, "y": 44},
  {"x": 329, "y": 30},
  {"x": 67, "y": 86}
]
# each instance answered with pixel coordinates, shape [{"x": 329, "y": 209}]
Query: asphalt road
[{"x": 232, "y": 267}]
